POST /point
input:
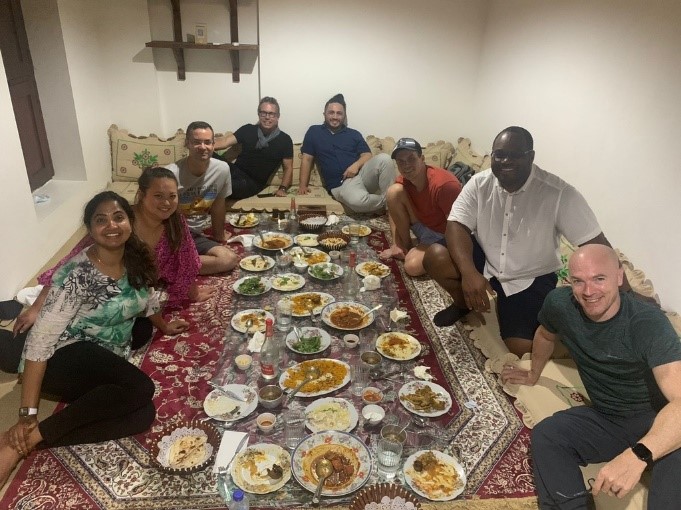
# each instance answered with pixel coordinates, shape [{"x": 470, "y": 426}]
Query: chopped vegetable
[
  {"x": 308, "y": 344},
  {"x": 252, "y": 286}
]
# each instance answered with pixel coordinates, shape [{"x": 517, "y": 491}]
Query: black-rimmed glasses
[
  {"x": 590, "y": 481},
  {"x": 500, "y": 154},
  {"x": 265, "y": 115}
]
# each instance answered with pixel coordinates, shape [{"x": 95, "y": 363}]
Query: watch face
[{"x": 642, "y": 453}]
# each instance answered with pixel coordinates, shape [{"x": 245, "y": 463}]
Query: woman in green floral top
[{"x": 77, "y": 347}]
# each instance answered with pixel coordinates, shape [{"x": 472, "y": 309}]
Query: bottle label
[{"x": 267, "y": 369}]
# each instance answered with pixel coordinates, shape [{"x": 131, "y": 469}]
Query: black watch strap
[{"x": 643, "y": 453}]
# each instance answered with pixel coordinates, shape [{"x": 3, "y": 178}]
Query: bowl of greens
[
  {"x": 252, "y": 286},
  {"x": 308, "y": 340},
  {"x": 325, "y": 271}
]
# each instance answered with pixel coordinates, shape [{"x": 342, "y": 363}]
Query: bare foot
[
  {"x": 392, "y": 253},
  {"x": 9, "y": 458}
]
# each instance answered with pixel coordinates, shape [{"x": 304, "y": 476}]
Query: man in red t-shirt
[{"x": 420, "y": 202}]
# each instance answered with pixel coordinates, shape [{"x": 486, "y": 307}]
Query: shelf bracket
[
  {"x": 234, "y": 38},
  {"x": 177, "y": 37}
]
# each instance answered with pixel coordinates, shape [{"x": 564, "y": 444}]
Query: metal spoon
[
  {"x": 296, "y": 331},
  {"x": 371, "y": 310},
  {"x": 324, "y": 469},
  {"x": 311, "y": 374}
]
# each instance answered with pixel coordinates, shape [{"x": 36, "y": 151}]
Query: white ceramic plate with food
[
  {"x": 374, "y": 268},
  {"x": 302, "y": 301},
  {"x": 257, "y": 315},
  {"x": 256, "y": 263},
  {"x": 252, "y": 467},
  {"x": 440, "y": 477},
  {"x": 347, "y": 315},
  {"x": 223, "y": 407},
  {"x": 273, "y": 241},
  {"x": 425, "y": 398},
  {"x": 398, "y": 346},
  {"x": 334, "y": 374},
  {"x": 245, "y": 220},
  {"x": 362, "y": 231},
  {"x": 312, "y": 340},
  {"x": 287, "y": 282},
  {"x": 330, "y": 413},
  {"x": 306, "y": 240},
  {"x": 251, "y": 286},
  {"x": 309, "y": 255},
  {"x": 325, "y": 271}
]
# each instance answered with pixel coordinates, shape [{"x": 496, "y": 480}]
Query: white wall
[{"x": 597, "y": 83}]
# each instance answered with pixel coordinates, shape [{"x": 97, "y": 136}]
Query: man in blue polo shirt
[{"x": 354, "y": 178}]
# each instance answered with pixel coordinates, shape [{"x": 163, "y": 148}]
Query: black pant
[
  {"x": 243, "y": 185},
  {"x": 108, "y": 397}
]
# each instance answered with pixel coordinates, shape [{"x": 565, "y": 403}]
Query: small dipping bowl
[
  {"x": 351, "y": 341},
  {"x": 335, "y": 256},
  {"x": 270, "y": 396},
  {"x": 300, "y": 266},
  {"x": 266, "y": 422},
  {"x": 372, "y": 395},
  {"x": 243, "y": 361},
  {"x": 373, "y": 414},
  {"x": 371, "y": 358}
]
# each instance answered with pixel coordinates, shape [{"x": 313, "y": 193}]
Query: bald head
[{"x": 595, "y": 276}]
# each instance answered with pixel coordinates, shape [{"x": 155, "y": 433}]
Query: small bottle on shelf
[{"x": 269, "y": 353}]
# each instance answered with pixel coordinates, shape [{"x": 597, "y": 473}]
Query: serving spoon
[
  {"x": 370, "y": 310},
  {"x": 311, "y": 374},
  {"x": 324, "y": 469}
]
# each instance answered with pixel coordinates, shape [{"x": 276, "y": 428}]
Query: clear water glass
[
  {"x": 389, "y": 452},
  {"x": 294, "y": 427},
  {"x": 284, "y": 315}
]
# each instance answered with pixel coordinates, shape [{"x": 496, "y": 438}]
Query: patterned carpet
[{"x": 484, "y": 431}]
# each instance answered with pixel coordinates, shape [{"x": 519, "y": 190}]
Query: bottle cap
[{"x": 238, "y": 495}]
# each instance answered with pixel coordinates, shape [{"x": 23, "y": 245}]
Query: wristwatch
[
  {"x": 642, "y": 452},
  {"x": 28, "y": 411},
  {"x": 283, "y": 188}
]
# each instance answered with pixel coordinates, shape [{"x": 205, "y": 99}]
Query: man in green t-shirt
[{"x": 629, "y": 358}]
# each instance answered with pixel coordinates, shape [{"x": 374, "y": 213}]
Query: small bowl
[
  {"x": 373, "y": 414},
  {"x": 243, "y": 361},
  {"x": 270, "y": 396},
  {"x": 326, "y": 240},
  {"x": 335, "y": 255},
  {"x": 266, "y": 422},
  {"x": 351, "y": 341},
  {"x": 312, "y": 222},
  {"x": 371, "y": 358},
  {"x": 300, "y": 266},
  {"x": 372, "y": 395}
]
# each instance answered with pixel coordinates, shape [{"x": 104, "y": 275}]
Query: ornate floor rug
[{"x": 485, "y": 432}]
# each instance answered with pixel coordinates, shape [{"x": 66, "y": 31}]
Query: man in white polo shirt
[{"x": 503, "y": 235}]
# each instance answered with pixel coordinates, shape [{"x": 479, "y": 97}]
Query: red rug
[{"x": 486, "y": 432}]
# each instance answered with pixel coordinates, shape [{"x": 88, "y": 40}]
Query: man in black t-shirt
[{"x": 263, "y": 148}]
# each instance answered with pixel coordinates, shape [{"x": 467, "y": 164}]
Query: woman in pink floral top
[{"x": 164, "y": 230}]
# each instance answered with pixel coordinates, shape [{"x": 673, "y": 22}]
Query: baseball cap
[{"x": 407, "y": 143}]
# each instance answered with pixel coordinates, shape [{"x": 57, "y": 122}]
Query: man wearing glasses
[
  {"x": 629, "y": 359},
  {"x": 354, "y": 178},
  {"x": 503, "y": 235},
  {"x": 263, "y": 148},
  {"x": 203, "y": 185}
]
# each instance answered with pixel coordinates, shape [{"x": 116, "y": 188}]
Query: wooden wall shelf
[{"x": 178, "y": 45}]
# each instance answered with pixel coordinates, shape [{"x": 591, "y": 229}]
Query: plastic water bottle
[{"x": 239, "y": 500}]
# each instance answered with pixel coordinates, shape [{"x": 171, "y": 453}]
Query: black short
[
  {"x": 203, "y": 244},
  {"x": 518, "y": 313}
]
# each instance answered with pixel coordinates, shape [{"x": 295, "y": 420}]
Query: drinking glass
[
  {"x": 389, "y": 451},
  {"x": 283, "y": 261},
  {"x": 294, "y": 427},
  {"x": 284, "y": 315},
  {"x": 354, "y": 229},
  {"x": 359, "y": 373}
]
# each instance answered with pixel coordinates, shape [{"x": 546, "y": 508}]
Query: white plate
[
  {"x": 306, "y": 240},
  {"x": 398, "y": 346},
  {"x": 246, "y": 220},
  {"x": 358, "y": 307},
  {"x": 264, "y": 281},
  {"x": 372, "y": 267},
  {"x": 292, "y": 339},
  {"x": 412, "y": 386},
  {"x": 337, "y": 409},
  {"x": 256, "y": 263},
  {"x": 413, "y": 477},
  {"x": 239, "y": 320},
  {"x": 300, "y": 298},
  {"x": 287, "y": 282},
  {"x": 286, "y": 239},
  {"x": 318, "y": 363},
  {"x": 330, "y": 267},
  {"x": 363, "y": 230},
  {"x": 309, "y": 255},
  {"x": 320, "y": 442},
  {"x": 222, "y": 407},
  {"x": 249, "y": 470}
]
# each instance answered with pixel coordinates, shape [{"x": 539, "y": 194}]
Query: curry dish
[
  {"x": 347, "y": 317},
  {"x": 343, "y": 459}
]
